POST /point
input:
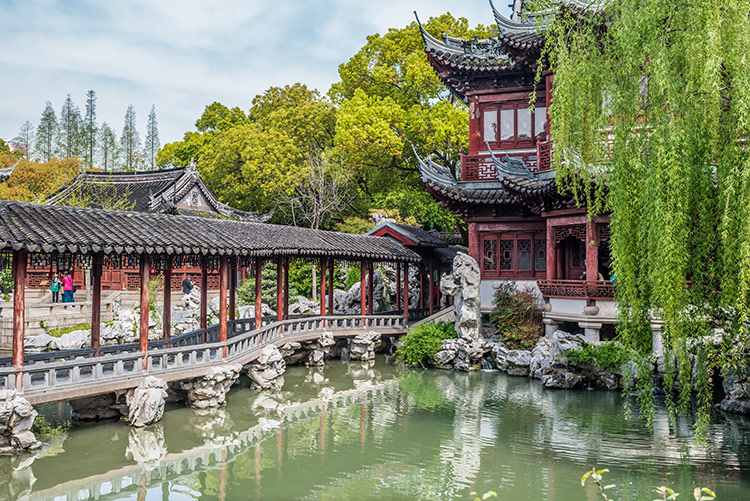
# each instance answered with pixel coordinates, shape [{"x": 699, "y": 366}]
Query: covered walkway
[{"x": 61, "y": 237}]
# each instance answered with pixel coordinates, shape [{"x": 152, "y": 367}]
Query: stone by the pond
[
  {"x": 40, "y": 342},
  {"x": 210, "y": 389},
  {"x": 737, "y": 390},
  {"x": 517, "y": 362},
  {"x": 266, "y": 372},
  {"x": 363, "y": 346},
  {"x": 16, "y": 419},
  {"x": 146, "y": 402},
  {"x": 72, "y": 341},
  {"x": 562, "y": 379},
  {"x": 562, "y": 341}
]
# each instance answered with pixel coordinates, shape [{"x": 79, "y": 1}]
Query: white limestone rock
[
  {"x": 304, "y": 306},
  {"x": 146, "y": 402},
  {"x": 562, "y": 341},
  {"x": 40, "y": 342},
  {"x": 72, "y": 341},
  {"x": 363, "y": 346},
  {"x": 518, "y": 362},
  {"x": 266, "y": 373},
  {"x": 463, "y": 285},
  {"x": 16, "y": 420},
  {"x": 210, "y": 390},
  {"x": 95, "y": 408}
]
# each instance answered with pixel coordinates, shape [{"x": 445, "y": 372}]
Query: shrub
[
  {"x": 59, "y": 331},
  {"x": 6, "y": 281},
  {"x": 517, "y": 316},
  {"x": 608, "y": 356},
  {"x": 422, "y": 342}
]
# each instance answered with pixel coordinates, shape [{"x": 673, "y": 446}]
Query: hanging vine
[{"x": 650, "y": 109}]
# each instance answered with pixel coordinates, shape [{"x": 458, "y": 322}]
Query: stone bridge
[{"x": 55, "y": 376}]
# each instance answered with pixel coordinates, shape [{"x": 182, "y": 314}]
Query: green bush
[
  {"x": 59, "y": 331},
  {"x": 608, "y": 356},
  {"x": 6, "y": 282},
  {"x": 421, "y": 343},
  {"x": 517, "y": 316}
]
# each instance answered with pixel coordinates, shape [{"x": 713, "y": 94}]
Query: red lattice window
[
  {"x": 489, "y": 255},
  {"x": 514, "y": 255},
  {"x": 523, "y": 253},
  {"x": 506, "y": 255},
  {"x": 540, "y": 254}
]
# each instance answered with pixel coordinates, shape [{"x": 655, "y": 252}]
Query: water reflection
[{"x": 354, "y": 431}]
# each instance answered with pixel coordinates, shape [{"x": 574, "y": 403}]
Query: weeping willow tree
[{"x": 650, "y": 109}]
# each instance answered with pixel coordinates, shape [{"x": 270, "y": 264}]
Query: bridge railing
[{"x": 69, "y": 371}]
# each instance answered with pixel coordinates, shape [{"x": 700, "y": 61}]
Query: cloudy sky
[{"x": 181, "y": 55}]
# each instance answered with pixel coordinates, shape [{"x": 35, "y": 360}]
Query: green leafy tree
[
  {"x": 46, "y": 134},
  {"x": 108, "y": 152},
  {"x": 90, "y": 130},
  {"x": 70, "y": 129},
  {"x": 26, "y": 137},
  {"x": 152, "y": 139},
  {"x": 668, "y": 82},
  {"x": 130, "y": 142},
  {"x": 216, "y": 116}
]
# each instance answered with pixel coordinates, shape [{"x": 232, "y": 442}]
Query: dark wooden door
[{"x": 575, "y": 256}]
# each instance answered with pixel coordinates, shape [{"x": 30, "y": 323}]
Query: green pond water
[{"x": 354, "y": 431}]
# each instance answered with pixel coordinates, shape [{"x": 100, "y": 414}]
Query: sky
[{"x": 181, "y": 55}]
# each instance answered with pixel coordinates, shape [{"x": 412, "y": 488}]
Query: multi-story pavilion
[{"x": 520, "y": 228}]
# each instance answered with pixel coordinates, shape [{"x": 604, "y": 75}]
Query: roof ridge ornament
[{"x": 508, "y": 166}]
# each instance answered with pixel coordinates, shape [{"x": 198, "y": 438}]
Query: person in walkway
[
  {"x": 54, "y": 287},
  {"x": 67, "y": 283},
  {"x": 187, "y": 285}
]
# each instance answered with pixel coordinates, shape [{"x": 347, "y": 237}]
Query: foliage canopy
[{"x": 667, "y": 83}]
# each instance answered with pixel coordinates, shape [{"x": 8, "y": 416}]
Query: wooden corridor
[{"x": 55, "y": 376}]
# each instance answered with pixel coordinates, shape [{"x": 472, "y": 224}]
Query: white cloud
[{"x": 183, "y": 54}]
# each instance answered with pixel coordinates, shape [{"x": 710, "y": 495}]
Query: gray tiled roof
[
  {"x": 419, "y": 236},
  {"x": 49, "y": 229},
  {"x": 147, "y": 191}
]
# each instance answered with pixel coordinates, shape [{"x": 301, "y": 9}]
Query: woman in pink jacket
[{"x": 67, "y": 283}]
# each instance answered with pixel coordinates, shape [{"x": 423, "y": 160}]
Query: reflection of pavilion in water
[{"x": 492, "y": 423}]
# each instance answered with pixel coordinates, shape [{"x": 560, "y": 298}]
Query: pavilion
[{"x": 45, "y": 235}]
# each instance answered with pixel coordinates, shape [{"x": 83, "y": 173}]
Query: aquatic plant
[{"x": 665, "y": 493}]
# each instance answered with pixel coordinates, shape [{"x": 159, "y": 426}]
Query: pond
[{"x": 354, "y": 431}]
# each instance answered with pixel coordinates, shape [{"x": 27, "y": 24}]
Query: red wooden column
[
  {"x": 330, "y": 286},
  {"x": 592, "y": 251},
  {"x": 167, "y": 314},
  {"x": 286, "y": 288},
  {"x": 223, "y": 289},
  {"x": 431, "y": 285},
  {"x": 474, "y": 242},
  {"x": 406, "y": 291},
  {"x": 551, "y": 253},
  {"x": 232, "y": 275},
  {"x": 145, "y": 277},
  {"x": 362, "y": 289},
  {"x": 323, "y": 295},
  {"x": 398, "y": 286},
  {"x": 280, "y": 302},
  {"x": 20, "y": 258},
  {"x": 560, "y": 262},
  {"x": 96, "y": 301},
  {"x": 204, "y": 300},
  {"x": 370, "y": 298},
  {"x": 258, "y": 293}
]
